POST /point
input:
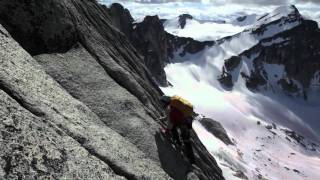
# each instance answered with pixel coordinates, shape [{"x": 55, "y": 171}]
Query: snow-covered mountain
[
  {"x": 263, "y": 124},
  {"x": 279, "y": 44},
  {"x": 186, "y": 26},
  {"x": 245, "y": 81},
  {"x": 260, "y": 80},
  {"x": 80, "y": 88}
]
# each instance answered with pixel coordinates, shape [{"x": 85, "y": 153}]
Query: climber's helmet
[{"x": 165, "y": 100}]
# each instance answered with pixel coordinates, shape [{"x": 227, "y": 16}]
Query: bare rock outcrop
[
  {"x": 90, "y": 24},
  {"x": 183, "y": 19},
  {"x": 150, "y": 38},
  {"x": 73, "y": 88},
  {"x": 25, "y": 83},
  {"x": 216, "y": 129},
  {"x": 296, "y": 53},
  {"x": 152, "y": 41}
]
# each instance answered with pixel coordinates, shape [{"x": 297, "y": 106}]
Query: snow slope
[
  {"x": 260, "y": 152},
  {"x": 207, "y": 28},
  {"x": 220, "y": 29},
  {"x": 239, "y": 112},
  {"x": 258, "y": 123}
]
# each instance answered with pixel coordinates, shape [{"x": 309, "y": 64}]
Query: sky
[
  {"x": 264, "y": 2},
  {"x": 226, "y": 10}
]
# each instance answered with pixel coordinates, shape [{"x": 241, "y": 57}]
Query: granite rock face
[
  {"x": 92, "y": 28},
  {"x": 37, "y": 29},
  {"x": 82, "y": 76},
  {"x": 121, "y": 18},
  {"x": 150, "y": 38},
  {"x": 27, "y": 85},
  {"x": 77, "y": 100},
  {"x": 33, "y": 147}
]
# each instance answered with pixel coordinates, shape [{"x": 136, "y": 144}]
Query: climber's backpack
[{"x": 182, "y": 105}]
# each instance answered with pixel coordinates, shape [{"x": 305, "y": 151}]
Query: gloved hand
[{"x": 164, "y": 131}]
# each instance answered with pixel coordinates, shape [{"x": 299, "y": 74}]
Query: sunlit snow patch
[
  {"x": 202, "y": 31},
  {"x": 264, "y": 154},
  {"x": 259, "y": 151}
]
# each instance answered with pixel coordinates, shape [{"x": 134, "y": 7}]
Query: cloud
[
  {"x": 257, "y": 2},
  {"x": 272, "y": 2},
  {"x": 214, "y": 9},
  {"x": 261, "y": 2},
  {"x": 265, "y": 2},
  {"x": 303, "y": 1}
]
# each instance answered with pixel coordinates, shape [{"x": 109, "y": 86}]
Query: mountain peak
[
  {"x": 280, "y": 12},
  {"x": 183, "y": 19},
  {"x": 281, "y": 19}
]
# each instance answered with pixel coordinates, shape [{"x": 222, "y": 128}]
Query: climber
[{"x": 179, "y": 119}]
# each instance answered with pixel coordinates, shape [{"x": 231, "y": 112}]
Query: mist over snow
[
  {"x": 258, "y": 152},
  {"x": 216, "y": 19}
]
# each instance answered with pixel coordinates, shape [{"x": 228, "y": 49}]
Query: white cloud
[
  {"x": 215, "y": 9},
  {"x": 263, "y": 2},
  {"x": 260, "y": 2}
]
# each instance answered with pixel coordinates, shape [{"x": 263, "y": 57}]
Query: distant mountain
[
  {"x": 80, "y": 84},
  {"x": 286, "y": 56},
  {"x": 246, "y": 81},
  {"x": 153, "y": 42}
]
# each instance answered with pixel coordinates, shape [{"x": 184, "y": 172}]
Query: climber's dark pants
[
  {"x": 185, "y": 135},
  {"x": 175, "y": 135}
]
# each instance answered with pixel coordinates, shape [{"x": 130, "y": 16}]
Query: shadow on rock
[
  {"x": 206, "y": 165},
  {"x": 170, "y": 158},
  {"x": 178, "y": 166}
]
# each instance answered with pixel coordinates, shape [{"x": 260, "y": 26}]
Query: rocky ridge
[
  {"x": 29, "y": 89},
  {"x": 155, "y": 44},
  {"x": 78, "y": 101},
  {"x": 297, "y": 55}
]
